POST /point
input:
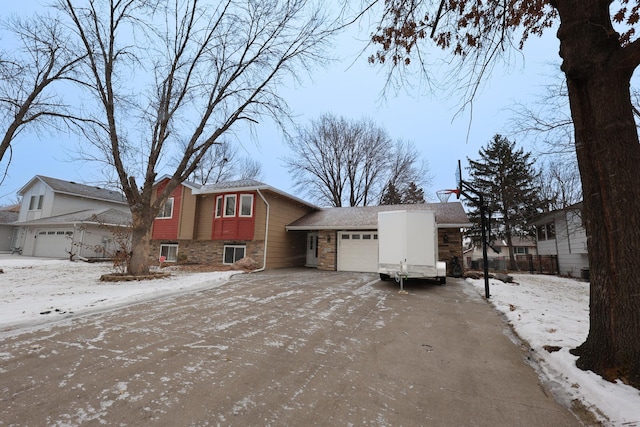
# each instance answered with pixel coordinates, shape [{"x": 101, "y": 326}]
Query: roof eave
[
  {"x": 357, "y": 227},
  {"x": 255, "y": 188}
]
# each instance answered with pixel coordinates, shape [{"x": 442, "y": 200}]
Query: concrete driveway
[{"x": 280, "y": 348}]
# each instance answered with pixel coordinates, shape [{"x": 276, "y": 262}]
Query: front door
[{"x": 312, "y": 250}]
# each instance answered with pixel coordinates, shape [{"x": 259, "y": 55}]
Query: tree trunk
[
  {"x": 608, "y": 156},
  {"x": 140, "y": 243}
]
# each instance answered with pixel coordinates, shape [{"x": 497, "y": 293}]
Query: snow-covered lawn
[
  {"x": 554, "y": 311},
  {"x": 543, "y": 310},
  {"x": 35, "y": 290}
]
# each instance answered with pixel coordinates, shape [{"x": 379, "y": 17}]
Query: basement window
[
  {"x": 169, "y": 253},
  {"x": 233, "y": 253}
]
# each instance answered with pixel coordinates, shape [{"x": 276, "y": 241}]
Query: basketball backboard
[{"x": 458, "y": 180}]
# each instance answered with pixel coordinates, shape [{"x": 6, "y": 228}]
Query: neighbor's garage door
[
  {"x": 358, "y": 251},
  {"x": 53, "y": 243}
]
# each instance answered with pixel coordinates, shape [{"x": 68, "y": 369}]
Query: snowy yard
[{"x": 543, "y": 310}]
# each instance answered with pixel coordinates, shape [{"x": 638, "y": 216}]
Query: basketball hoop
[{"x": 443, "y": 195}]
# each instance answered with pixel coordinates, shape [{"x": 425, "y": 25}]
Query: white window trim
[
  {"x": 170, "y": 199},
  {"x": 168, "y": 245},
  {"x": 235, "y": 201},
  {"x": 224, "y": 251},
  {"x": 38, "y": 202},
  {"x": 218, "y": 204},
  {"x": 242, "y": 196}
]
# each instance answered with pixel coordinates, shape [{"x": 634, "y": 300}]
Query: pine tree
[
  {"x": 391, "y": 196},
  {"x": 507, "y": 179},
  {"x": 413, "y": 195}
]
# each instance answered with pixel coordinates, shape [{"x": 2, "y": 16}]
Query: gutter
[{"x": 266, "y": 235}]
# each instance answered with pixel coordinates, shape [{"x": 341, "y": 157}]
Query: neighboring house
[
  {"x": 58, "y": 218},
  {"x": 499, "y": 251},
  {"x": 222, "y": 223},
  {"x": 561, "y": 233},
  {"x": 8, "y": 216}
]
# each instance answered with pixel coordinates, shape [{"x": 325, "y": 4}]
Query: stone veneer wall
[
  {"x": 449, "y": 246},
  {"x": 208, "y": 252},
  {"x": 327, "y": 249}
]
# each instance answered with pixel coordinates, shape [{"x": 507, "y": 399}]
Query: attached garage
[
  {"x": 358, "y": 251},
  {"x": 54, "y": 243}
]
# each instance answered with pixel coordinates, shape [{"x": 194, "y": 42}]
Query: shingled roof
[
  {"x": 95, "y": 216},
  {"x": 8, "y": 217},
  {"x": 247, "y": 185},
  {"x": 75, "y": 189},
  {"x": 448, "y": 215}
]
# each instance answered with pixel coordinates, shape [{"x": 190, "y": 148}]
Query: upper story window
[
  {"x": 35, "y": 204},
  {"x": 230, "y": 205},
  {"x": 546, "y": 231},
  {"x": 233, "y": 205},
  {"x": 246, "y": 204},
  {"x": 218, "y": 206},
  {"x": 166, "y": 211}
]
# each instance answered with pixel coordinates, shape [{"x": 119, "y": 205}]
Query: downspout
[{"x": 266, "y": 235}]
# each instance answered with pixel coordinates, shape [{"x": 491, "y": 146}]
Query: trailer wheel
[
  {"x": 443, "y": 280},
  {"x": 384, "y": 277}
]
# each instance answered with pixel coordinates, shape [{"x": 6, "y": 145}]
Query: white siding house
[
  {"x": 561, "y": 233},
  {"x": 59, "y": 218}
]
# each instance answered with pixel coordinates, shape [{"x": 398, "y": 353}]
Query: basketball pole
[{"x": 478, "y": 200}]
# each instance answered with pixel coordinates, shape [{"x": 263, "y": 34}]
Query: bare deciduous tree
[
  {"x": 559, "y": 183},
  {"x": 407, "y": 168},
  {"x": 223, "y": 163},
  {"x": 170, "y": 79},
  {"x": 338, "y": 162},
  {"x": 40, "y": 59}
]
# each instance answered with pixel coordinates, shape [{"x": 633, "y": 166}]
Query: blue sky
[{"x": 351, "y": 88}]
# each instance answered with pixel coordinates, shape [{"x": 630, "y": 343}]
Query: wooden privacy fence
[{"x": 545, "y": 264}]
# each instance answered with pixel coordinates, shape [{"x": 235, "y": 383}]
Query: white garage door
[
  {"x": 53, "y": 243},
  {"x": 358, "y": 251}
]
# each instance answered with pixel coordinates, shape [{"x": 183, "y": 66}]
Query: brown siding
[
  {"x": 285, "y": 248},
  {"x": 187, "y": 214},
  {"x": 204, "y": 217}
]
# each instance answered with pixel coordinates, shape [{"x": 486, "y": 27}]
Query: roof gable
[
  {"x": 188, "y": 184},
  {"x": 248, "y": 185}
]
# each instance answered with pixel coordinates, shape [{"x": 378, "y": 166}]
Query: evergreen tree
[
  {"x": 413, "y": 195},
  {"x": 508, "y": 181},
  {"x": 391, "y": 196}
]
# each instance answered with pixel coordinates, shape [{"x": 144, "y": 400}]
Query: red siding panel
[
  {"x": 167, "y": 228},
  {"x": 234, "y": 228}
]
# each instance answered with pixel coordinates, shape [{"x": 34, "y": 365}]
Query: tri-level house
[
  {"x": 223, "y": 223},
  {"x": 58, "y": 218}
]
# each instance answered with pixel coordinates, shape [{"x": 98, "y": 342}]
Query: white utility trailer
[{"x": 408, "y": 246}]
